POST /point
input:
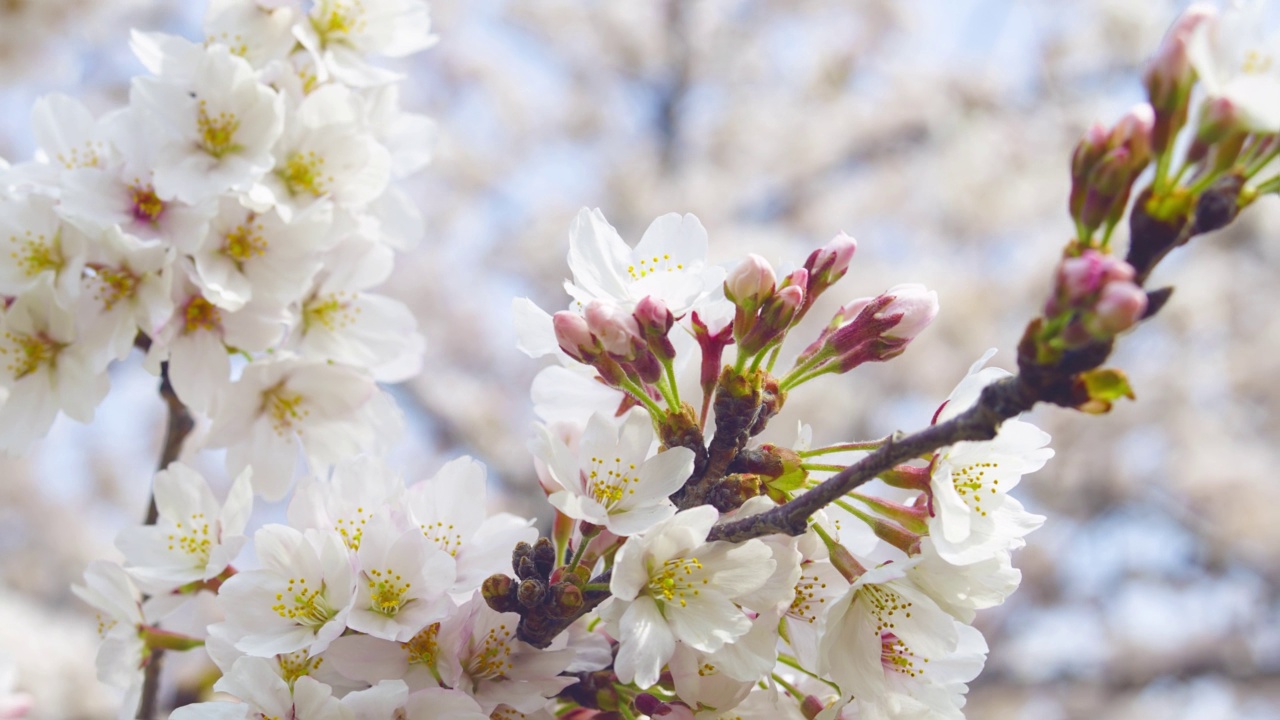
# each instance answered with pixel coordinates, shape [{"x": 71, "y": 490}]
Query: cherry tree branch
[{"x": 179, "y": 425}]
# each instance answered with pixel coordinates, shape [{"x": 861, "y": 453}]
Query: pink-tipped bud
[
  {"x": 574, "y": 336},
  {"x": 617, "y": 330},
  {"x": 775, "y": 317},
  {"x": 655, "y": 321},
  {"x": 917, "y": 305},
  {"x": 830, "y": 262},
  {"x": 1133, "y": 131},
  {"x": 1219, "y": 117},
  {"x": 1080, "y": 279},
  {"x": 751, "y": 282},
  {"x": 1120, "y": 306},
  {"x": 1169, "y": 75},
  {"x": 811, "y": 707}
]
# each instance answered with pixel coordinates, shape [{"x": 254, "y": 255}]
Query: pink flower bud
[
  {"x": 829, "y": 263},
  {"x": 917, "y": 305},
  {"x": 1120, "y": 307},
  {"x": 1081, "y": 278},
  {"x": 1169, "y": 70},
  {"x": 574, "y": 336},
  {"x": 653, "y": 316},
  {"x": 1133, "y": 131},
  {"x": 1169, "y": 75},
  {"x": 751, "y": 282},
  {"x": 617, "y": 330}
]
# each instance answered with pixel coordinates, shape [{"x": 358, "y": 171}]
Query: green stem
[
  {"x": 792, "y": 381},
  {"x": 843, "y": 447},
  {"x": 1257, "y": 166},
  {"x": 643, "y": 398},
  {"x": 670, "y": 368},
  {"x": 582, "y": 546},
  {"x": 821, "y": 467},
  {"x": 773, "y": 356},
  {"x": 795, "y": 664},
  {"x": 596, "y": 587},
  {"x": 799, "y": 696}
]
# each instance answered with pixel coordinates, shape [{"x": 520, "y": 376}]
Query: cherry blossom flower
[
  {"x": 195, "y": 537},
  {"x": 198, "y": 337},
  {"x": 402, "y": 583},
  {"x": 127, "y": 286},
  {"x": 612, "y": 480},
  {"x": 344, "y": 323},
  {"x": 1236, "y": 60},
  {"x": 324, "y": 155},
  {"x": 218, "y": 126},
  {"x": 670, "y": 585},
  {"x": 973, "y": 516},
  {"x": 120, "y": 619},
  {"x": 449, "y": 509},
  {"x": 332, "y": 412},
  {"x": 481, "y": 656},
  {"x": 300, "y": 598},
  {"x": 248, "y": 254},
  {"x": 44, "y": 370},
  {"x": 38, "y": 246},
  {"x": 339, "y": 33},
  {"x": 892, "y": 648}
]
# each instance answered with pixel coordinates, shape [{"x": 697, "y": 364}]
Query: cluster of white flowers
[
  {"x": 231, "y": 221},
  {"x": 869, "y": 611}
]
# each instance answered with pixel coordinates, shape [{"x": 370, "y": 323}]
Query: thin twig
[{"x": 178, "y": 427}]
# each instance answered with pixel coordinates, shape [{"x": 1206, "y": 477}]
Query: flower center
[
  {"x": 146, "y": 206},
  {"x": 674, "y": 581},
  {"x": 386, "y": 591},
  {"x": 807, "y": 593},
  {"x": 608, "y": 483},
  {"x": 37, "y": 253},
  {"x": 217, "y": 132},
  {"x": 333, "y": 312},
  {"x": 493, "y": 658},
  {"x": 200, "y": 314},
  {"x": 1256, "y": 62},
  {"x": 297, "y": 664},
  {"x": 304, "y": 605},
  {"x": 192, "y": 538},
  {"x": 897, "y": 657},
  {"x": 886, "y": 605},
  {"x": 422, "y": 648},
  {"x": 28, "y": 353},
  {"x": 340, "y": 18},
  {"x": 352, "y": 529},
  {"x": 244, "y": 242},
  {"x": 114, "y": 285},
  {"x": 302, "y": 172},
  {"x": 284, "y": 408},
  {"x": 444, "y": 535},
  {"x": 971, "y": 481}
]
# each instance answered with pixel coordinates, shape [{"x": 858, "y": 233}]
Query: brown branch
[
  {"x": 178, "y": 427},
  {"x": 999, "y": 402}
]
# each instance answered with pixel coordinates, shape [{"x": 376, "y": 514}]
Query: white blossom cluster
[
  {"x": 232, "y": 220},
  {"x": 868, "y": 613}
]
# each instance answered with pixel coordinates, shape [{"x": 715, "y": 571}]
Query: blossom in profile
[
  {"x": 612, "y": 480},
  {"x": 973, "y": 516}
]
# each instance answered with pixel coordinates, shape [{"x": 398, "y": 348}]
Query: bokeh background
[{"x": 937, "y": 132}]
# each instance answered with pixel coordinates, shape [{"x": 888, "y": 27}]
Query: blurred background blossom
[{"x": 935, "y": 132}]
